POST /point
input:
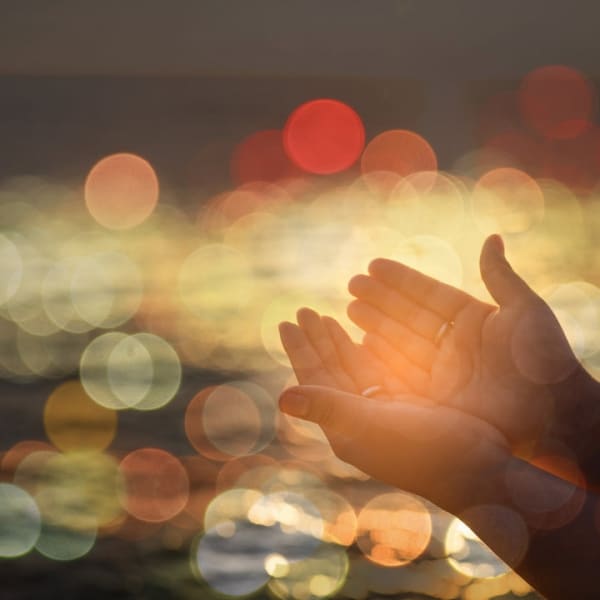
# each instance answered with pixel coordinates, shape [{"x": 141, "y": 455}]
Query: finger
[
  {"x": 418, "y": 379},
  {"x": 502, "y": 282},
  {"x": 366, "y": 368},
  {"x": 350, "y": 417},
  {"x": 336, "y": 411},
  {"x": 417, "y": 317},
  {"x": 417, "y": 349},
  {"x": 356, "y": 360},
  {"x": 307, "y": 364},
  {"x": 318, "y": 336},
  {"x": 430, "y": 293}
]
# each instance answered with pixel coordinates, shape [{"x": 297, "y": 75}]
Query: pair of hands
[{"x": 501, "y": 381}]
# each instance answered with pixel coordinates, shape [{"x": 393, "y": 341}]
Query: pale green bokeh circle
[
  {"x": 140, "y": 371},
  {"x": 58, "y": 543},
  {"x": 20, "y": 521}
]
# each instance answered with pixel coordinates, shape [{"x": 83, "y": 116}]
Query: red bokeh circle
[{"x": 324, "y": 136}]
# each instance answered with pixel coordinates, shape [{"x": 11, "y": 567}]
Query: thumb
[
  {"x": 505, "y": 286},
  {"x": 336, "y": 411}
]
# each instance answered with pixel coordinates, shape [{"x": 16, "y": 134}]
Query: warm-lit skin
[
  {"x": 510, "y": 365},
  {"x": 404, "y": 440},
  {"x": 447, "y": 455}
]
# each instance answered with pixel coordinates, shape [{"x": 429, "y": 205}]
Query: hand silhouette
[
  {"x": 402, "y": 439},
  {"x": 510, "y": 365}
]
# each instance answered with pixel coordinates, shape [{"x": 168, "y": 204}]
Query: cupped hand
[
  {"x": 429, "y": 449},
  {"x": 510, "y": 365},
  {"x": 394, "y": 435}
]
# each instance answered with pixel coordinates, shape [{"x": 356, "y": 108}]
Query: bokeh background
[{"x": 178, "y": 177}]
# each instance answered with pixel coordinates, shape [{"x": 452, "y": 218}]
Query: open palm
[
  {"x": 510, "y": 365},
  {"x": 397, "y": 437}
]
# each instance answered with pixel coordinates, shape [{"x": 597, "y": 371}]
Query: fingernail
[{"x": 294, "y": 404}]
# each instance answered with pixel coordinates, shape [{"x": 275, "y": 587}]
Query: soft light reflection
[
  {"x": 19, "y": 521},
  {"x": 73, "y": 421},
  {"x": 156, "y": 484},
  {"x": 393, "y": 529},
  {"x": 140, "y": 371},
  {"x": 121, "y": 191},
  {"x": 239, "y": 418},
  {"x": 398, "y": 151},
  {"x": 60, "y": 543},
  {"x": 324, "y": 136},
  {"x": 557, "y": 101},
  {"x": 507, "y": 200}
]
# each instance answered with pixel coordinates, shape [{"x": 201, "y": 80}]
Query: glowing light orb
[
  {"x": 320, "y": 575},
  {"x": 261, "y": 157},
  {"x": 63, "y": 544},
  {"x": 19, "y": 521},
  {"x": 156, "y": 485},
  {"x": 393, "y": 529},
  {"x": 73, "y": 421},
  {"x": 79, "y": 490},
  {"x": 121, "y": 191},
  {"x": 557, "y": 101},
  {"x": 507, "y": 200},
  {"x": 398, "y": 151},
  {"x": 324, "y": 136},
  {"x": 234, "y": 564},
  {"x": 235, "y": 419},
  {"x": 140, "y": 371}
]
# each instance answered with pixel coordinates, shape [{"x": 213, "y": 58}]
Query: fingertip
[
  {"x": 356, "y": 286},
  {"x": 329, "y": 322},
  {"x": 304, "y": 314},
  {"x": 496, "y": 243},
  {"x": 353, "y": 309},
  {"x": 377, "y": 265},
  {"x": 286, "y": 326},
  {"x": 293, "y": 402}
]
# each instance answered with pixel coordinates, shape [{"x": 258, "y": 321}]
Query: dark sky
[
  {"x": 182, "y": 81},
  {"x": 428, "y": 39}
]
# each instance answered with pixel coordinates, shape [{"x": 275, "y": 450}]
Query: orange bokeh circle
[
  {"x": 121, "y": 191},
  {"x": 393, "y": 529},
  {"x": 398, "y": 151},
  {"x": 156, "y": 485},
  {"x": 73, "y": 421}
]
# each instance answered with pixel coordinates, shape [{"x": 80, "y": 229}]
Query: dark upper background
[{"x": 180, "y": 81}]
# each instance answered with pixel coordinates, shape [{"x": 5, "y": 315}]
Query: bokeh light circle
[
  {"x": 507, "y": 200},
  {"x": 121, "y": 191},
  {"x": 231, "y": 420},
  {"x": 156, "y": 484},
  {"x": 140, "y": 371},
  {"x": 19, "y": 521},
  {"x": 398, "y": 151},
  {"x": 64, "y": 544},
  {"x": 557, "y": 101},
  {"x": 394, "y": 529},
  {"x": 324, "y": 136},
  {"x": 78, "y": 490},
  {"x": 73, "y": 421},
  {"x": 320, "y": 575}
]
